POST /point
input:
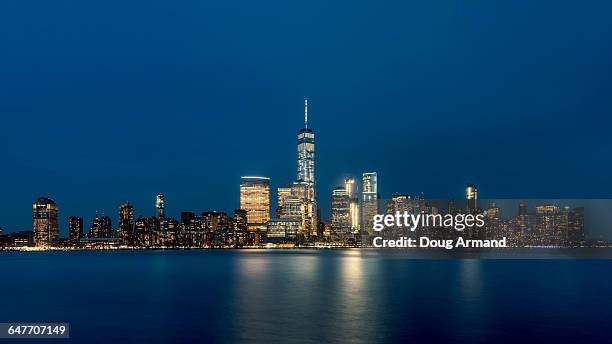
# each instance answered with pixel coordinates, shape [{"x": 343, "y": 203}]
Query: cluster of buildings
[
  {"x": 296, "y": 220},
  {"x": 546, "y": 224}
]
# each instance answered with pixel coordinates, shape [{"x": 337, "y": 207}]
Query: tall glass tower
[
  {"x": 306, "y": 175},
  {"x": 44, "y": 222},
  {"x": 369, "y": 201},
  {"x": 306, "y": 151},
  {"x": 159, "y": 205}
]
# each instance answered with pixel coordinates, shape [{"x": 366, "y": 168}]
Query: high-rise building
[
  {"x": 351, "y": 190},
  {"x": 126, "y": 223},
  {"x": 75, "y": 230},
  {"x": 471, "y": 197},
  {"x": 369, "y": 201},
  {"x": 101, "y": 227},
  {"x": 283, "y": 194},
  {"x": 141, "y": 232},
  {"x": 340, "y": 212},
  {"x": 44, "y": 222},
  {"x": 166, "y": 235},
  {"x": 255, "y": 200},
  {"x": 159, "y": 205},
  {"x": 305, "y": 182}
]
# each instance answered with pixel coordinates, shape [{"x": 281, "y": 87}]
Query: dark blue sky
[{"x": 106, "y": 101}]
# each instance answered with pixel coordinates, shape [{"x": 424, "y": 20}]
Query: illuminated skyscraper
[
  {"x": 340, "y": 212},
  {"x": 255, "y": 200},
  {"x": 350, "y": 187},
  {"x": 44, "y": 222},
  {"x": 305, "y": 182},
  {"x": 284, "y": 194},
  {"x": 101, "y": 227},
  {"x": 369, "y": 201},
  {"x": 75, "y": 229},
  {"x": 159, "y": 205},
  {"x": 471, "y": 196},
  {"x": 306, "y": 151},
  {"x": 126, "y": 223}
]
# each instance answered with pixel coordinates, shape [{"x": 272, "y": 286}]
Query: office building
[
  {"x": 305, "y": 184},
  {"x": 255, "y": 200},
  {"x": 369, "y": 202},
  {"x": 351, "y": 190},
  {"x": 44, "y": 222},
  {"x": 471, "y": 197},
  {"x": 340, "y": 212},
  {"x": 126, "y": 223},
  {"x": 159, "y": 205},
  {"x": 75, "y": 230}
]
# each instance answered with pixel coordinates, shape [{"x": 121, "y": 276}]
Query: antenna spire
[{"x": 306, "y": 113}]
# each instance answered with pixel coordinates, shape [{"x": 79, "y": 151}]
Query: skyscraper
[
  {"x": 159, "y": 205},
  {"x": 306, "y": 176},
  {"x": 340, "y": 212},
  {"x": 255, "y": 200},
  {"x": 75, "y": 229},
  {"x": 126, "y": 223},
  {"x": 101, "y": 227},
  {"x": 44, "y": 222},
  {"x": 369, "y": 201},
  {"x": 471, "y": 196},
  {"x": 349, "y": 185},
  {"x": 283, "y": 194}
]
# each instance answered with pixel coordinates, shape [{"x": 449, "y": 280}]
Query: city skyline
[{"x": 430, "y": 97}]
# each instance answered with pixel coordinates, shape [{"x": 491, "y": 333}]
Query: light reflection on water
[{"x": 359, "y": 296}]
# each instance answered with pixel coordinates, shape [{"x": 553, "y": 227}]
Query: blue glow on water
[{"x": 313, "y": 296}]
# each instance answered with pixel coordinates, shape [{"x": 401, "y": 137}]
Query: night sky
[{"x": 107, "y": 101}]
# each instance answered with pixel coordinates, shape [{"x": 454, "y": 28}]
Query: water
[{"x": 311, "y": 296}]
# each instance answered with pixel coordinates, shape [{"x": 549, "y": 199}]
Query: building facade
[
  {"x": 44, "y": 222},
  {"x": 255, "y": 200},
  {"x": 75, "y": 230},
  {"x": 305, "y": 184},
  {"x": 126, "y": 223},
  {"x": 369, "y": 201}
]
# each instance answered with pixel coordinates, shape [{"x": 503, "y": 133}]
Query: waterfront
[{"x": 353, "y": 295}]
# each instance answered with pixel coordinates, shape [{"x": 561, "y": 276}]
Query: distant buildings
[
  {"x": 471, "y": 196},
  {"x": 255, "y": 200},
  {"x": 159, "y": 205},
  {"x": 401, "y": 203},
  {"x": 305, "y": 184},
  {"x": 22, "y": 239},
  {"x": 340, "y": 212},
  {"x": 44, "y": 222},
  {"x": 369, "y": 201},
  {"x": 283, "y": 231},
  {"x": 101, "y": 228},
  {"x": 126, "y": 223},
  {"x": 351, "y": 190},
  {"x": 296, "y": 220},
  {"x": 75, "y": 230}
]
